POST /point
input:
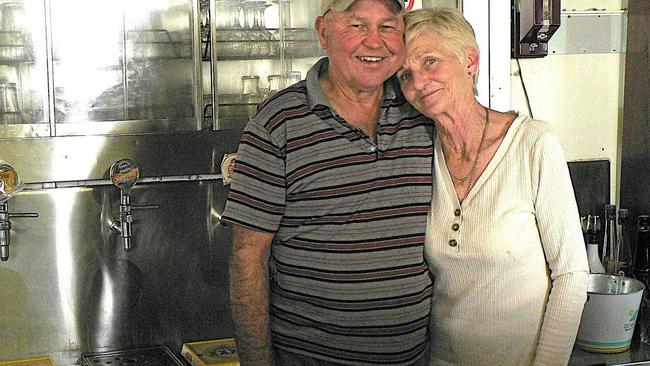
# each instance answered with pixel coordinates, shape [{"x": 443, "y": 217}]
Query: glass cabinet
[
  {"x": 91, "y": 67},
  {"x": 258, "y": 48},
  {"x": 23, "y": 66},
  {"x": 122, "y": 66}
]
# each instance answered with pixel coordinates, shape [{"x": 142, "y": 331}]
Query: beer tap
[
  {"x": 9, "y": 185},
  {"x": 5, "y": 228},
  {"x": 124, "y": 174}
]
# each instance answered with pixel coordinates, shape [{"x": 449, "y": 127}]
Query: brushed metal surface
[
  {"x": 69, "y": 288},
  {"x": 89, "y": 157}
]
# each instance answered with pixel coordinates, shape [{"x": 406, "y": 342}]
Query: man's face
[{"x": 364, "y": 44}]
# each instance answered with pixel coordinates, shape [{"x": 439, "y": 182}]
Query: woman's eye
[
  {"x": 404, "y": 77},
  {"x": 430, "y": 61}
]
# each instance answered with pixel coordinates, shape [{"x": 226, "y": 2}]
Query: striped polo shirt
[{"x": 348, "y": 279}]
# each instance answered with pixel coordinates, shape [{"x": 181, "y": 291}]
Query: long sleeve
[
  {"x": 564, "y": 248},
  {"x": 561, "y": 319}
]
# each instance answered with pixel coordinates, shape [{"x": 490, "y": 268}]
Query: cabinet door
[
  {"x": 258, "y": 48},
  {"x": 123, "y": 67},
  {"x": 24, "y": 107}
]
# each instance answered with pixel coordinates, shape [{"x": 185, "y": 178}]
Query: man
[{"x": 329, "y": 200}]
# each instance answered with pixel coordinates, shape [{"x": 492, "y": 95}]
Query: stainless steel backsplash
[{"x": 69, "y": 287}]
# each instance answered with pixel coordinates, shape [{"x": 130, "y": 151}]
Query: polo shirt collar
[{"x": 317, "y": 96}]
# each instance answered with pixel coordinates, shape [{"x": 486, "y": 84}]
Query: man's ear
[{"x": 321, "y": 30}]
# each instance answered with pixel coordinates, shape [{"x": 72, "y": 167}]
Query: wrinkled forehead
[{"x": 418, "y": 47}]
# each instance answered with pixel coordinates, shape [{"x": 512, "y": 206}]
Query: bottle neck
[{"x": 642, "y": 263}]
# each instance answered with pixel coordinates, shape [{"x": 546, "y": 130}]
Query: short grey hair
[{"x": 448, "y": 23}]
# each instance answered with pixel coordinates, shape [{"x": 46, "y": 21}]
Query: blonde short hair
[{"x": 447, "y": 23}]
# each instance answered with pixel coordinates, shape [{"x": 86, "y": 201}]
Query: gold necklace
[{"x": 472, "y": 172}]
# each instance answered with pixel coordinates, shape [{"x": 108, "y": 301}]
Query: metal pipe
[{"x": 5, "y": 227}]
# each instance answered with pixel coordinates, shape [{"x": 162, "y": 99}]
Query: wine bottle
[
  {"x": 610, "y": 250},
  {"x": 642, "y": 260},
  {"x": 624, "y": 244},
  {"x": 641, "y": 272}
]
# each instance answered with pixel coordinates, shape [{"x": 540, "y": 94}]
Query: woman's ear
[
  {"x": 471, "y": 60},
  {"x": 321, "y": 28}
]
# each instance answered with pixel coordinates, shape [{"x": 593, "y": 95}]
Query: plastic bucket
[{"x": 610, "y": 313}]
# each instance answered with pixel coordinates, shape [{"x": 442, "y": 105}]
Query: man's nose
[{"x": 373, "y": 38}]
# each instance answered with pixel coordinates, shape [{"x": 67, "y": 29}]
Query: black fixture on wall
[{"x": 533, "y": 25}]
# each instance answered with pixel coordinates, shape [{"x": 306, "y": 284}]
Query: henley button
[
  {"x": 373, "y": 148},
  {"x": 457, "y": 212},
  {"x": 453, "y": 243},
  {"x": 455, "y": 227}
]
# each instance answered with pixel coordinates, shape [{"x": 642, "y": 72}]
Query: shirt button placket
[{"x": 455, "y": 230}]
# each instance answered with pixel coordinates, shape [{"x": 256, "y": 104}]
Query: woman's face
[{"x": 433, "y": 79}]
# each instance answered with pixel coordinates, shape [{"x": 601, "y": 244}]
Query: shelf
[
  {"x": 16, "y": 61},
  {"x": 248, "y": 44}
]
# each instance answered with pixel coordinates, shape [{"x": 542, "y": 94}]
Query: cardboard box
[
  {"x": 220, "y": 352},
  {"x": 44, "y": 361}
]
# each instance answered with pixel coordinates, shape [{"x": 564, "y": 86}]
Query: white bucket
[{"x": 610, "y": 313}]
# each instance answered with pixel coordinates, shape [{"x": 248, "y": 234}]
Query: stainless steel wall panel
[
  {"x": 69, "y": 288},
  {"x": 89, "y": 157}
]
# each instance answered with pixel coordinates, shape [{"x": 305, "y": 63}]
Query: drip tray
[{"x": 153, "y": 356}]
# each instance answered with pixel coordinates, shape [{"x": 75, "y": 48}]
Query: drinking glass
[
  {"x": 267, "y": 36},
  {"x": 293, "y": 77},
  {"x": 232, "y": 39},
  {"x": 9, "y": 105},
  {"x": 276, "y": 83},
  {"x": 252, "y": 28},
  {"x": 250, "y": 84}
]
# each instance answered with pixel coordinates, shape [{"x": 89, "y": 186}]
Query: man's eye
[{"x": 430, "y": 61}]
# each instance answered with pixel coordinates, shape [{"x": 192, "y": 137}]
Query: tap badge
[
  {"x": 125, "y": 177},
  {"x": 10, "y": 182},
  {"x": 124, "y": 173},
  {"x": 227, "y": 167}
]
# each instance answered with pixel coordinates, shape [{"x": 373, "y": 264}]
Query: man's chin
[{"x": 373, "y": 82}]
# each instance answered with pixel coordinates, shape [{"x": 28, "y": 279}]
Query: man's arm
[{"x": 249, "y": 295}]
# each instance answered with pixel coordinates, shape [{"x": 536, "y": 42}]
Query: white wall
[{"x": 581, "y": 95}]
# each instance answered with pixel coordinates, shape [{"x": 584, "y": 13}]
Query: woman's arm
[
  {"x": 559, "y": 227},
  {"x": 561, "y": 319}
]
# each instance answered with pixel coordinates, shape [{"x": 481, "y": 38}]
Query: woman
[{"x": 503, "y": 238}]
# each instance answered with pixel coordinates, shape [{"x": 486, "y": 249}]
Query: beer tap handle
[{"x": 124, "y": 174}]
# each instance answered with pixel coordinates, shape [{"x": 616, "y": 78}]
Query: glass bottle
[
  {"x": 624, "y": 243},
  {"x": 641, "y": 272},
  {"x": 642, "y": 260},
  {"x": 609, "y": 240},
  {"x": 591, "y": 227}
]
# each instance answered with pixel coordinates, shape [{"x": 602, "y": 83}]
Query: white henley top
[{"x": 510, "y": 264}]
